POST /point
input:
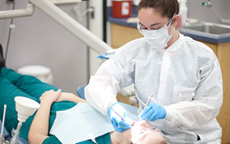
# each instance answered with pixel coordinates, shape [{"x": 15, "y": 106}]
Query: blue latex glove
[
  {"x": 153, "y": 112},
  {"x": 119, "y": 118}
]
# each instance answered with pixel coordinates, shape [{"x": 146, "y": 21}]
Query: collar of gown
[{"x": 176, "y": 45}]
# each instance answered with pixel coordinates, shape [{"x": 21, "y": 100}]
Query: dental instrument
[
  {"x": 122, "y": 118},
  {"x": 3, "y": 121},
  {"x": 149, "y": 100},
  {"x": 146, "y": 104}
]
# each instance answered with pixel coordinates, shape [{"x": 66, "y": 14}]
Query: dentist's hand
[
  {"x": 119, "y": 118},
  {"x": 153, "y": 112}
]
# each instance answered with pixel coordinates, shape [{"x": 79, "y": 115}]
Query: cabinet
[
  {"x": 123, "y": 34},
  {"x": 222, "y": 51},
  {"x": 120, "y": 35}
]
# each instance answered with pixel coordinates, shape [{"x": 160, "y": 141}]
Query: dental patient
[
  {"x": 140, "y": 133},
  {"x": 51, "y": 101}
]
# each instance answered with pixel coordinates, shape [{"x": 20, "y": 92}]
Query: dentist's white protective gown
[{"x": 185, "y": 79}]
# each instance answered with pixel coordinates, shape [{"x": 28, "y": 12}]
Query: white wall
[
  {"x": 39, "y": 40},
  {"x": 196, "y": 10}
]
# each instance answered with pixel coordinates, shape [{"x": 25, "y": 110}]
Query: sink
[{"x": 213, "y": 31}]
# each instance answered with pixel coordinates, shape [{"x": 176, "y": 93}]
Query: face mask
[{"x": 157, "y": 38}]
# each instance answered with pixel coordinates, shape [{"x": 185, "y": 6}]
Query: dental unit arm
[
  {"x": 18, "y": 13},
  {"x": 63, "y": 19}
]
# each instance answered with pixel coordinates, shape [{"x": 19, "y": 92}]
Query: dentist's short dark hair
[{"x": 167, "y": 8}]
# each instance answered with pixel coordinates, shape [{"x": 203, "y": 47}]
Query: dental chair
[{"x": 81, "y": 92}]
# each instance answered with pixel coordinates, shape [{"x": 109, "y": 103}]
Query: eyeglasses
[{"x": 141, "y": 27}]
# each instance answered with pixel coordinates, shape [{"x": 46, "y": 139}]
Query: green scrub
[{"x": 13, "y": 84}]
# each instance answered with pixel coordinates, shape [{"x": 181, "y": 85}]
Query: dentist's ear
[{"x": 176, "y": 21}]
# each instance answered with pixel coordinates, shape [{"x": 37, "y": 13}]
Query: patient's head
[
  {"x": 144, "y": 133},
  {"x": 141, "y": 133}
]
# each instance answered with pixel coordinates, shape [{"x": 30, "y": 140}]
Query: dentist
[{"x": 181, "y": 76}]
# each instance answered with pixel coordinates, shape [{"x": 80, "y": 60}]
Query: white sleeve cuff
[
  {"x": 170, "y": 112},
  {"x": 107, "y": 104}
]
